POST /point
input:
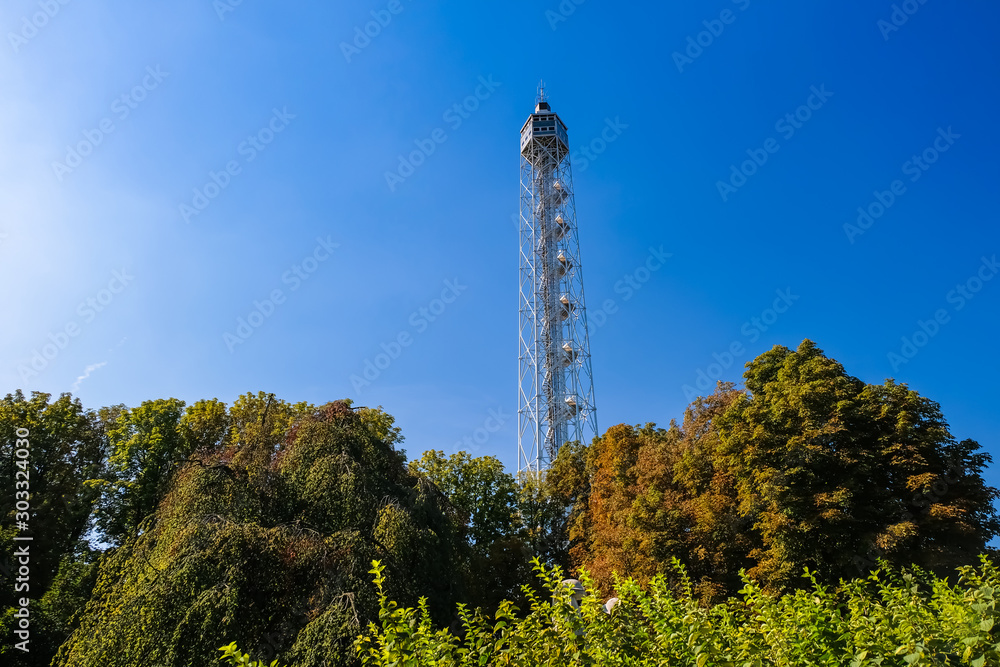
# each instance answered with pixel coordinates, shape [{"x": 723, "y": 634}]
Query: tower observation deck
[{"x": 556, "y": 390}]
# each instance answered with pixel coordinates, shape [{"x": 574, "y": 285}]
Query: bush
[
  {"x": 237, "y": 658},
  {"x": 893, "y": 617}
]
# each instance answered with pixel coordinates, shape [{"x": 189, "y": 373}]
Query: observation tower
[{"x": 556, "y": 387}]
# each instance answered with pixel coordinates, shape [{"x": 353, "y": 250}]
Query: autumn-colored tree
[
  {"x": 615, "y": 539},
  {"x": 687, "y": 504},
  {"x": 558, "y": 507},
  {"x": 651, "y": 495},
  {"x": 806, "y": 467}
]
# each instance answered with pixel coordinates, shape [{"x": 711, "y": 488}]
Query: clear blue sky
[{"x": 198, "y": 80}]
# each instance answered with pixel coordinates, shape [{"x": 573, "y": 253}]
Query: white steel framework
[{"x": 556, "y": 390}]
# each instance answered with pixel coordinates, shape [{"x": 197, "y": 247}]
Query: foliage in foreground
[
  {"x": 892, "y": 617},
  {"x": 231, "y": 655}
]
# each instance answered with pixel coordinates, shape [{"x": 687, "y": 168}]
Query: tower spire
[{"x": 541, "y": 102}]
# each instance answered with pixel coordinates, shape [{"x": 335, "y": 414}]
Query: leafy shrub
[
  {"x": 892, "y": 617},
  {"x": 237, "y": 658}
]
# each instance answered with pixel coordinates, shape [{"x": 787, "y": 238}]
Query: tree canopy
[{"x": 164, "y": 531}]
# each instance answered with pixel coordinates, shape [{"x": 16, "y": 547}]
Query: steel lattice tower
[{"x": 556, "y": 392}]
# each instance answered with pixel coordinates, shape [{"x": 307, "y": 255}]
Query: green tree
[
  {"x": 491, "y": 535},
  {"x": 205, "y": 426},
  {"x": 145, "y": 447},
  {"x": 263, "y": 538},
  {"x": 830, "y": 469},
  {"x": 66, "y": 448},
  {"x": 480, "y": 488}
]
